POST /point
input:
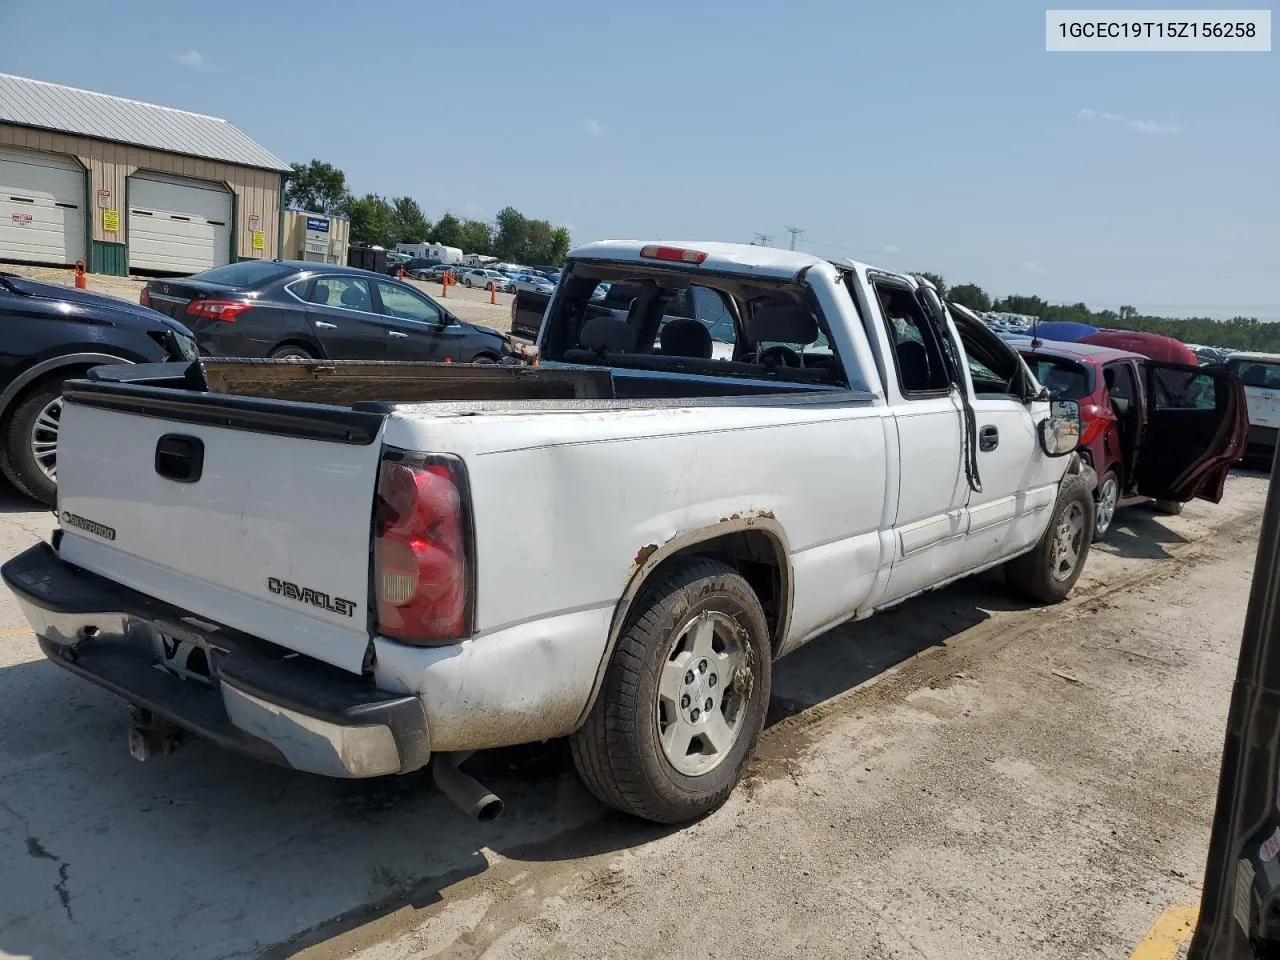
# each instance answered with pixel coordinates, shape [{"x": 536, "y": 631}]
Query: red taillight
[
  {"x": 144, "y": 298},
  {"x": 1094, "y": 423},
  {"x": 421, "y": 555},
  {"x": 226, "y": 310},
  {"x": 673, "y": 254}
]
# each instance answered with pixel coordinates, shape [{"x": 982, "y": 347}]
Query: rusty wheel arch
[{"x": 753, "y": 542}]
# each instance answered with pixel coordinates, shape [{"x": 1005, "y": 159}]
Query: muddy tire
[
  {"x": 684, "y": 696},
  {"x": 29, "y": 440},
  {"x": 1049, "y": 572},
  {"x": 1170, "y": 508}
]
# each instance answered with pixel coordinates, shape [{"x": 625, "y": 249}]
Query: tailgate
[
  {"x": 1264, "y": 406},
  {"x": 269, "y": 534}
]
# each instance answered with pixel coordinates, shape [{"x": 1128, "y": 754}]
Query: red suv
[{"x": 1167, "y": 432}]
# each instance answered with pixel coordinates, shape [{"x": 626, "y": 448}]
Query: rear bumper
[
  {"x": 1262, "y": 441},
  {"x": 245, "y": 694}
]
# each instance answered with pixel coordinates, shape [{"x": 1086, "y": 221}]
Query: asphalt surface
[{"x": 964, "y": 776}]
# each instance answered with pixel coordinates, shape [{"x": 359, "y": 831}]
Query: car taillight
[
  {"x": 422, "y": 549},
  {"x": 144, "y": 298},
  {"x": 1094, "y": 422},
  {"x": 674, "y": 254},
  {"x": 226, "y": 310}
]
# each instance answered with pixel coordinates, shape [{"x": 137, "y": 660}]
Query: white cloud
[
  {"x": 1032, "y": 267},
  {"x": 192, "y": 58},
  {"x": 892, "y": 248},
  {"x": 1142, "y": 126},
  {"x": 592, "y": 128}
]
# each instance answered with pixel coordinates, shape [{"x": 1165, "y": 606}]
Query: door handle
[
  {"x": 180, "y": 457},
  {"x": 325, "y": 325},
  {"x": 988, "y": 439},
  {"x": 397, "y": 334}
]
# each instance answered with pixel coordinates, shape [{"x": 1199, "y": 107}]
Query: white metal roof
[
  {"x": 727, "y": 257},
  {"x": 51, "y": 106},
  {"x": 1255, "y": 356}
]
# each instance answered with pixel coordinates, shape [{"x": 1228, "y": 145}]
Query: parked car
[
  {"x": 418, "y": 267},
  {"x": 438, "y": 628},
  {"x": 1260, "y": 374},
  {"x": 291, "y": 309},
  {"x": 482, "y": 277},
  {"x": 1131, "y": 408},
  {"x": 53, "y": 333},
  {"x": 532, "y": 284},
  {"x": 1209, "y": 356},
  {"x": 1154, "y": 346}
]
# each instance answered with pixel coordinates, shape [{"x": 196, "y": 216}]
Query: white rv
[{"x": 431, "y": 251}]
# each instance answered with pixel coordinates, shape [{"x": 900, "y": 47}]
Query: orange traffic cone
[{"x": 80, "y": 277}]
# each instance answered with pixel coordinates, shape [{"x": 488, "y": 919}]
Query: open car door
[
  {"x": 1240, "y": 906},
  {"x": 1197, "y": 425}
]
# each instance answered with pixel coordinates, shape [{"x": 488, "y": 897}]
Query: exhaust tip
[
  {"x": 490, "y": 810},
  {"x": 471, "y": 796}
]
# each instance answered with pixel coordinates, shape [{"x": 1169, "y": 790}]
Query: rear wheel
[
  {"x": 1051, "y": 569},
  {"x": 292, "y": 351},
  {"x": 484, "y": 358},
  {"x": 684, "y": 696},
  {"x": 30, "y": 443},
  {"x": 1105, "y": 508}
]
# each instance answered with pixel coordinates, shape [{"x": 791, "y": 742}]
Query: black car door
[
  {"x": 1195, "y": 430},
  {"x": 342, "y": 312},
  {"x": 417, "y": 327},
  {"x": 1240, "y": 906}
]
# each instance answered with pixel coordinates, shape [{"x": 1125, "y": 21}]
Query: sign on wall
[
  {"x": 22, "y": 219},
  {"x": 259, "y": 240},
  {"x": 318, "y": 224},
  {"x": 255, "y": 223},
  {"x": 104, "y": 198},
  {"x": 110, "y": 221}
]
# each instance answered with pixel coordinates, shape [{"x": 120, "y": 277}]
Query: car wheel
[
  {"x": 1050, "y": 570},
  {"x": 1170, "y": 508},
  {"x": 684, "y": 697},
  {"x": 30, "y": 458},
  {"x": 1105, "y": 507},
  {"x": 484, "y": 358},
  {"x": 291, "y": 351},
  {"x": 467, "y": 282}
]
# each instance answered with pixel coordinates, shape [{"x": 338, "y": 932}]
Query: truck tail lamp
[
  {"x": 422, "y": 573},
  {"x": 144, "y": 298},
  {"x": 672, "y": 254},
  {"x": 225, "y": 310}
]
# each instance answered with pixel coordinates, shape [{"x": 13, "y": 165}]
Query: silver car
[{"x": 482, "y": 278}]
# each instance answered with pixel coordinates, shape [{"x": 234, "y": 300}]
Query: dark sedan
[
  {"x": 52, "y": 333},
  {"x": 291, "y": 309}
]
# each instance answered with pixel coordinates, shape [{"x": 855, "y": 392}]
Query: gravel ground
[
  {"x": 470, "y": 305},
  {"x": 961, "y": 777}
]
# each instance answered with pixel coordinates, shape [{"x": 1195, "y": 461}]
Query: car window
[
  {"x": 1064, "y": 379},
  {"x": 921, "y": 366},
  {"x": 247, "y": 274},
  {"x": 398, "y": 301},
  {"x": 1180, "y": 390},
  {"x": 346, "y": 293},
  {"x": 1255, "y": 373}
]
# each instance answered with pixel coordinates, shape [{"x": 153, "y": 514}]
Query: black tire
[
  {"x": 467, "y": 282},
  {"x": 18, "y": 460},
  {"x": 292, "y": 351},
  {"x": 1170, "y": 508},
  {"x": 618, "y": 750},
  {"x": 484, "y": 358},
  {"x": 1102, "y": 523},
  {"x": 1032, "y": 574}
]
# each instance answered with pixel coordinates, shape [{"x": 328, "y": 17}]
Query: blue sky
[{"x": 923, "y": 136}]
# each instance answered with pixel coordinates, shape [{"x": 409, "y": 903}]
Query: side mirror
[{"x": 1060, "y": 431}]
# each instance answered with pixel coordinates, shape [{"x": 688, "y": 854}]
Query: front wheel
[
  {"x": 30, "y": 444},
  {"x": 468, "y": 283},
  {"x": 684, "y": 697},
  {"x": 1050, "y": 571}
]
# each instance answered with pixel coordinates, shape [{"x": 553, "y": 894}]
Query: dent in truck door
[{"x": 930, "y": 522}]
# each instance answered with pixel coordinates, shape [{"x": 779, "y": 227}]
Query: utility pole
[
  {"x": 761, "y": 240},
  {"x": 795, "y": 232}
]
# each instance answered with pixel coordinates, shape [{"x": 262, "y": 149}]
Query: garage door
[
  {"x": 178, "y": 226},
  {"x": 41, "y": 207}
]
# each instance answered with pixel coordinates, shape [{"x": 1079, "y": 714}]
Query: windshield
[
  {"x": 1064, "y": 379},
  {"x": 251, "y": 273},
  {"x": 1256, "y": 373}
]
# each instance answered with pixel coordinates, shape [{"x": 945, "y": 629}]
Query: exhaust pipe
[{"x": 475, "y": 799}]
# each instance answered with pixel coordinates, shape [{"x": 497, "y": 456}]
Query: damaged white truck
[{"x": 355, "y": 568}]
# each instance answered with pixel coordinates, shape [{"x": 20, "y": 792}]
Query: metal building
[
  {"x": 321, "y": 237},
  {"x": 130, "y": 186}
]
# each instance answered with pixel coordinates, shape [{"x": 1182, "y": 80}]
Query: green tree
[
  {"x": 475, "y": 236},
  {"x": 937, "y": 281},
  {"x": 317, "y": 186},
  {"x": 970, "y": 295},
  {"x": 559, "y": 247},
  {"x": 1127, "y": 313},
  {"x": 372, "y": 221},
  {"x": 447, "y": 231},
  {"x": 511, "y": 240},
  {"x": 408, "y": 223}
]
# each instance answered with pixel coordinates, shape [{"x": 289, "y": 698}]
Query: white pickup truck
[
  {"x": 352, "y": 569},
  {"x": 1260, "y": 373}
]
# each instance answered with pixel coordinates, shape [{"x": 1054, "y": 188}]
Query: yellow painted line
[
  {"x": 1167, "y": 934},
  {"x": 7, "y": 632}
]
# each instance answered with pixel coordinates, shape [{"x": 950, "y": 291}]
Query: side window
[
  {"x": 920, "y": 363},
  {"x": 710, "y": 307},
  {"x": 1122, "y": 387},
  {"x": 351, "y": 293},
  {"x": 407, "y": 305},
  {"x": 1182, "y": 390}
]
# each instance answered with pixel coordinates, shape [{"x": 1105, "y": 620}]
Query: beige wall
[{"x": 109, "y": 164}]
